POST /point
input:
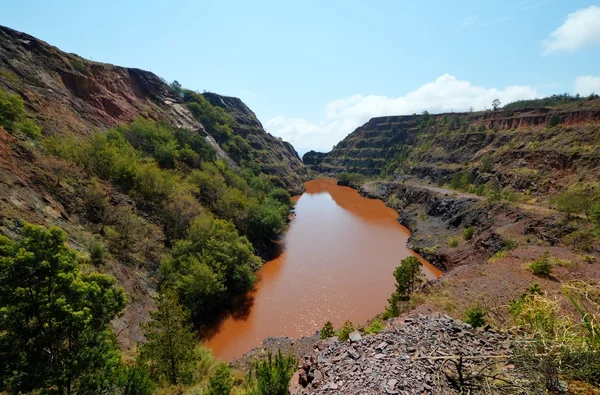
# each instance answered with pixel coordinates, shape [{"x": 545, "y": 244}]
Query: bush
[
  {"x": 220, "y": 381},
  {"x": 541, "y": 266},
  {"x": 554, "y": 120},
  {"x": 344, "y": 333},
  {"x": 77, "y": 65},
  {"x": 408, "y": 276},
  {"x": 353, "y": 180},
  {"x": 468, "y": 233},
  {"x": 272, "y": 375},
  {"x": 578, "y": 199},
  {"x": 11, "y": 110},
  {"x": 475, "y": 316},
  {"x": 327, "y": 330},
  {"x": 581, "y": 239},
  {"x": 375, "y": 326},
  {"x": 281, "y": 195},
  {"x": 134, "y": 380},
  {"x": 97, "y": 252},
  {"x": 30, "y": 128},
  {"x": 595, "y": 215},
  {"x": 453, "y": 242}
]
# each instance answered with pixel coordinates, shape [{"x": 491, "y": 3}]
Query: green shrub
[
  {"x": 375, "y": 326},
  {"x": 578, "y": 199},
  {"x": 582, "y": 239},
  {"x": 475, "y": 316},
  {"x": 272, "y": 375},
  {"x": 345, "y": 331},
  {"x": 77, "y": 65},
  {"x": 453, "y": 242},
  {"x": 12, "y": 110},
  {"x": 97, "y": 252},
  {"x": 327, "y": 330},
  {"x": 408, "y": 276},
  {"x": 353, "y": 180},
  {"x": 30, "y": 128},
  {"x": 468, "y": 233},
  {"x": 135, "y": 380},
  {"x": 541, "y": 266},
  {"x": 220, "y": 381},
  {"x": 595, "y": 215},
  {"x": 281, "y": 195},
  {"x": 554, "y": 120}
]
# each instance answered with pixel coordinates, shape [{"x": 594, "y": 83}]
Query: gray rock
[{"x": 355, "y": 336}]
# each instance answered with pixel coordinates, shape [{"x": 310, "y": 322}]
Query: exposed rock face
[
  {"x": 74, "y": 96},
  {"x": 312, "y": 159},
  {"x": 410, "y": 357},
  {"x": 275, "y": 156},
  {"x": 525, "y": 151}
]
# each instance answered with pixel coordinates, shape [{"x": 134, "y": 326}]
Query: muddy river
[{"x": 338, "y": 257}]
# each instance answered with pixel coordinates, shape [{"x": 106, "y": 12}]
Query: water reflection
[{"x": 340, "y": 253}]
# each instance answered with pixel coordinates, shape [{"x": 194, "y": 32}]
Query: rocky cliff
[
  {"x": 526, "y": 148},
  {"x": 274, "y": 156},
  {"x": 74, "y": 96},
  {"x": 312, "y": 159}
]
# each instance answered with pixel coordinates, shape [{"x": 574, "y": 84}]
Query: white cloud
[
  {"x": 344, "y": 115},
  {"x": 581, "y": 29},
  {"x": 586, "y": 85}
]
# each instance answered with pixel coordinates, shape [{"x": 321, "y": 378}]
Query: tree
[
  {"x": 220, "y": 382},
  {"x": 272, "y": 375},
  {"x": 408, "y": 276},
  {"x": 327, "y": 330},
  {"x": 54, "y": 320},
  {"x": 496, "y": 104},
  {"x": 169, "y": 349}
]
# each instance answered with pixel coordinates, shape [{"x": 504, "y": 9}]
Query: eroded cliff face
[
  {"x": 71, "y": 96},
  {"x": 274, "y": 156},
  {"x": 530, "y": 148}
]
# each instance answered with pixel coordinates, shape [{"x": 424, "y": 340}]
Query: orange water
[{"x": 339, "y": 255}]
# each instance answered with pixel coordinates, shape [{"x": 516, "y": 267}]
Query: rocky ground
[{"x": 417, "y": 354}]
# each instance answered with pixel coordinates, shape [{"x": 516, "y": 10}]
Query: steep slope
[
  {"x": 274, "y": 156},
  {"x": 74, "y": 96},
  {"x": 528, "y": 148}
]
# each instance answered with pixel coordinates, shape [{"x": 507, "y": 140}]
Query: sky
[{"x": 313, "y": 71}]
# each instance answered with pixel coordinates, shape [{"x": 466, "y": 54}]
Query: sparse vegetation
[
  {"x": 468, "y": 233},
  {"x": 375, "y": 326},
  {"x": 353, "y": 180},
  {"x": 541, "y": 266},
  {"x": 271, "y": 376},
  {"x": 453, "y": 242},
  {"x": 327, "y": 330},
  {"x": 344, "y": 332},
  {"x": 475, "y": 316}
]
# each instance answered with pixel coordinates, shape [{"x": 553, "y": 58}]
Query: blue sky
[{"x": 315, "y": 70}]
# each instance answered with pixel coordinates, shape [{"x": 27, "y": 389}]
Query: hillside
[
  {"x": 124, "y": 167},
  {"x": 528, "y": 149},
  {"x": 73, "y": 96}
]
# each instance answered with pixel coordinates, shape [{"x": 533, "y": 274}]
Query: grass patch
[{"x": 453, "y": 242}]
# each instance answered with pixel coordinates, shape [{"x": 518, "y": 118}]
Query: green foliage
[
  {"x": 496, "y": 104},
  {"x": 408, "y": 276},
  {"x": 453, "y": 242},
  {"x": 375, "y": 326},
  {"x": 272, "y": 375},
  {"x": 468, "y": 233},
  {"x": 550, "y": 101},
  {"x": 582, "y": 239},
  {"x": 475, "y": 316},
  {"x": 11, "y": 110},
  {"x": 353, "y": 180},
  {"x": 554, "y": 120},
  {"x": 487, "y": 165},
  {"x": 169, "y": 350},
  {"x": 578, "y": 199},
  {"x": 12, "y": 116},
  {"x": 461, "y": 181},
  {"x": 218, "y": 124},
  {"x": 595, "y": 214},
  {"x": 134, "y": 380},
  {"x": 97, "y": 252},
  {"x": 281, "y": 195},
  {"x": 327, "y": 330},
  {"x": 77, "y": 65},
  {"x": 344, "y": 333},
  {"x": 30, "y": 128},
  {"x": 55, "y": 325},
  {"x": 220, "y": 381},
  {"x": 210, "y": 266},
  {"x": 541, "y": 266}
]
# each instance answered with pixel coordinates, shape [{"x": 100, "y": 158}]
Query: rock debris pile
[{"x": 412, "y": 356}]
